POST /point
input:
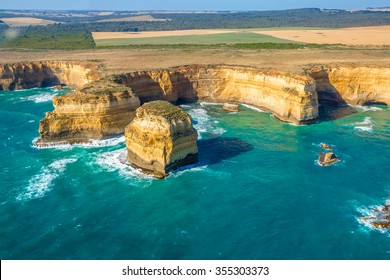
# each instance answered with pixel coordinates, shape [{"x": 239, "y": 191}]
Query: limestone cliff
[
  {"x": 289, "y": 97},
  {"x": 100, "y": 110},
  {"x": 161, "y": 138},
  {"x": 44, "y": 74},
  {"x": 356, "y": 85}
]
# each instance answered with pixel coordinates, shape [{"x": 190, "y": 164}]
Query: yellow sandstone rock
[
  {"x": 102, "y": 107},
  {"x": 100, "y": 110},
  {"x": 355, "y": 85},
  {"x": 45, "y": 74},
  {"x": 161, "y": 138},
  {"x": 291, "y": 98}
]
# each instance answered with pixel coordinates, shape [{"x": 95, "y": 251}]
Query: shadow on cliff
[
  {"x": 329, "y": 111},
  {"x": 216, "y": 150},
  {"x": 331, "y": 104},
  {"x": 31, "y": 78},
  {"x": 174, "y": 87}
]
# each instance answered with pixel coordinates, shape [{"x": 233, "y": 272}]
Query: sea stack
[
  {"x": 326, "y": 159},
  {"x": 99, "y": 110},
  {"x": 161, "y": 138}
]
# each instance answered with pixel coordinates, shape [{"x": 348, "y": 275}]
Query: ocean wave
[
  {"x": 40, "y": 98},
  {"x": 117, "y": 161},
  {"x": 366, "y": 108},
  {"x": 89, "y": 144},
  {"x": 210, "y": 104},
  {"x": 204, "y": 124},
  {"x": 187, "y": 169},
  {"x": 365, "y": 125},
  {"x": 253, "y": 108},
  {"x": 42, "y": 182}
]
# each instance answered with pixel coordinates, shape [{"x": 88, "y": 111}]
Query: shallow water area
[{"x": 256, "y": 192}]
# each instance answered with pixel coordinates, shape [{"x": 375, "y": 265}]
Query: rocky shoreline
[{"x": 102, "y": 106}]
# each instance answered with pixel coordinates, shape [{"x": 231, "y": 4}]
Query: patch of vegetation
[
  {"x": 75, "y": 31},
  {"x": 242, "y": 46},
  {"x": 166, "y": 109},
  {"x": 209, "y": 39},
  {"x": 108, "y": 85},
  {"x": 312, "y": 17},
  {"x": 31, "y": 39}
]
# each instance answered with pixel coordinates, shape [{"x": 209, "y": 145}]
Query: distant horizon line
[{"x": 210, "y": 10}]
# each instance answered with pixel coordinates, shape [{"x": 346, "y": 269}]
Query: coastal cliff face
[
  {"x": 290, "y": 98},
  {"x": 94, "y": 113},
  {"x": 353, "y": 85},
  {"x": 45, "y": 74},
  {"x": 161, "y": 138},
  {"x": 104, "y": 107}
]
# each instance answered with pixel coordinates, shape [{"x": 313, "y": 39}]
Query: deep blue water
[{"x": 257, "y": 192}]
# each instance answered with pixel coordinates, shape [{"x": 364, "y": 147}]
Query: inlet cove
[{"x": 194, "y": 162}]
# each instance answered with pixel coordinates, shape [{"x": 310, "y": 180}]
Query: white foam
[
  {"x": 365, "y": 125},
  {"x": 210, "y": 104},
  {"x": 89, "y": 144},
  {"x": 205, "y": 124},
  {"x": 366, "y": 108},
  {"x": 186, "y": 169},
  {"x": 117, "y": 161},
  {"x": 42, "y": 182},
  {"x": 40, "y": 98},
  {"x": 253, "y": 108},
  {"x": 371, "y": 215},
  {"x": 185, "y": 106}
]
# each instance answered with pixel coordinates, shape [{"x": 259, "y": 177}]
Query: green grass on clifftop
[
  {"x": 54, "y": 40},
  {"x": 210, "y": 39}
]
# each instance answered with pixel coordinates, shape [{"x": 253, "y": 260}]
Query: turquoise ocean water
[{"x": 257, "y": 192}]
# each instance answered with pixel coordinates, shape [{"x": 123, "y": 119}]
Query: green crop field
[{"x": 213, "y": 39}]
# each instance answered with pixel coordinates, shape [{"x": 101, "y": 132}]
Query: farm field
[
  {"x": 373, "y": 35},
  {"x": 201, "y": 37},
  {"x": 26, "y": 21}
]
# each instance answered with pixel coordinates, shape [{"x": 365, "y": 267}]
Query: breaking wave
[
  {"x": 204, "y": 124},
  {"x": 365, "y": 125},
  {"x": 366, "y": 108},
  {"x": 42, "y": 182},
  {"x": 89, "y": 144},
  {"x": 117, "y": 161},
  {"x": 253, "y": 108}
]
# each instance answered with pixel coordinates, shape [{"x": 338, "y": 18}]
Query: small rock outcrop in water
[
  {"x": 161, "y": 138},
  {"x": 379, "y": 218},
  {"x": 326, "y": 159},
  {"x": 326, "y": 147},
  {"x": 230, "y": 107}
]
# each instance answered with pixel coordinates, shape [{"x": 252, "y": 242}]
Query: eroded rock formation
[
  {"x": 45, "y": 74},
  {"x": 102, "y": 107},
  {"x": 230, "y": 107},
  {"x": 100, "y": 110},
  {"x": 327, "y": 159},
  {"x": 291, "y": 98},
  {"x": 356, "y": 85},
  {"x": 379, "y": 218},
  {"x": 161, "y": 138}
]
